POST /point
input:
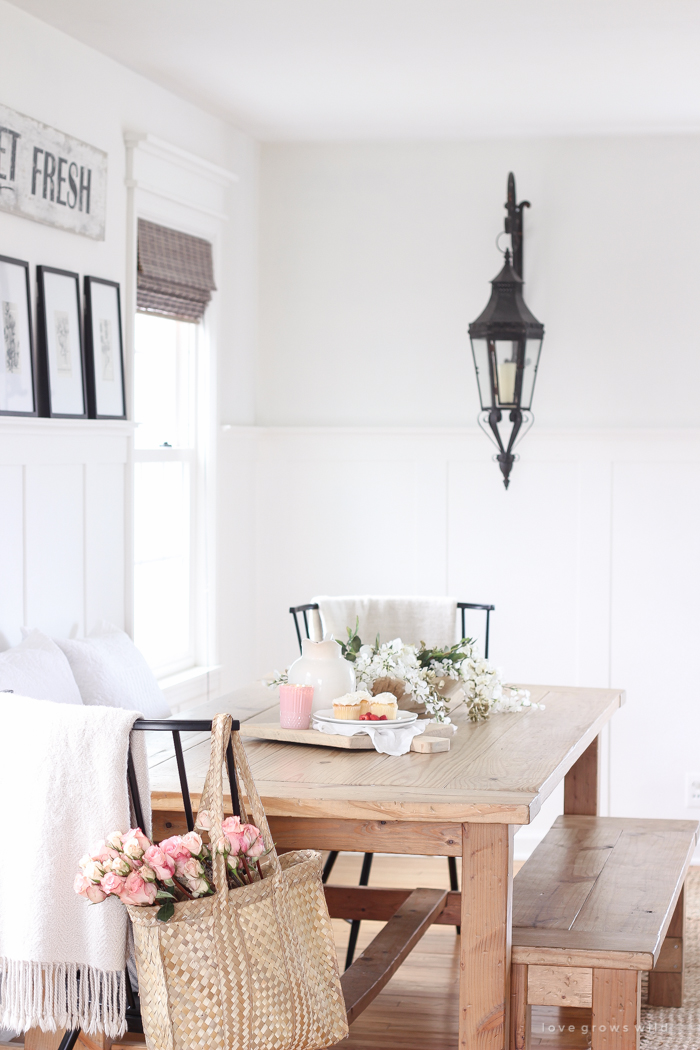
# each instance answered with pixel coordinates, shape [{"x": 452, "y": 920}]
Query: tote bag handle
[{"x": 213, "y": 795}]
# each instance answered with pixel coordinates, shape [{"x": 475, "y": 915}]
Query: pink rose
[
  {"x": 80, "y": 885},
  {"x": 94, "y": 871},
  {"x": 233, "y": 831},
  {"x": 112, "y": 883},
  {"x": 257, "y": 849},
  {"x": 231, "y": 825},
  {"x": 115, "y": 840},
  {"x": 199, "y": 887},
  {"x": 133, "y": 849},
  {"x": 136, "y": 891},
  {"x": 222, "y": 846},
  {"x": 147, "y": 874},
  {"x": 192, "y": 869},
  {"x": 204, "y": 820},
  {"x": 192, "y": 874},
  {"x": 120, "y": 866},
  {"x": 136, "y": 833},
  {"x": 89, "y": 890},
  {"x": 174, "y": 848},
  {"x": 192, "y": 842},
  {"x": 162, "y": 864},
  {"x": 104, "y": 852},
  {"x": 252, "y": 844}
]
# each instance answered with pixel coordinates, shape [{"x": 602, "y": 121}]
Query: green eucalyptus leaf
[{"x": 166, "y": 912}]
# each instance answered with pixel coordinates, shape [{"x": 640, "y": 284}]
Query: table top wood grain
[{"x": 498, "y": 771}]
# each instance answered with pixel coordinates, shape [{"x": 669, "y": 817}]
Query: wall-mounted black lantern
[{"x": 506, "y": 343}]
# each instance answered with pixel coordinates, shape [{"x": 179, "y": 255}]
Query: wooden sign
[{"x": 51, "y": 177}]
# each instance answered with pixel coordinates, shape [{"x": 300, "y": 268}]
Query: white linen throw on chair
[
  {"x": 413, "y": 620},
  {"x": 63, "y": 785}
]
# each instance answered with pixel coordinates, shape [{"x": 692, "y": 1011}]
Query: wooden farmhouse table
[{"x": 463, "y": 803}]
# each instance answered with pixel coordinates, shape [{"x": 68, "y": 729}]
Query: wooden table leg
[
  {"x": 582, "y": 783},
  {"x": 487, "y": 905}
]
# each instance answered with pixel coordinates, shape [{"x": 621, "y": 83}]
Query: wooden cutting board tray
[{"x": 428, "y": 743}]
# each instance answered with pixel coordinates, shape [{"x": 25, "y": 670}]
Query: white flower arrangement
[{"x": 427, "y": 672}]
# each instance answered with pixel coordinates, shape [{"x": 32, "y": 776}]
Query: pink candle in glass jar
[{"x": 295, "y": 706}]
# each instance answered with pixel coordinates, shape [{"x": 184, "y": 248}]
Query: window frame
[
  {"x": 160, "y": 200},
  {"x": 189, "y": 456}
]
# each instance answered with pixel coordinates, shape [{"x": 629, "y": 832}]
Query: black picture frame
[
  {"x": 7, "y": 321},
  {"x": 96, "y": 293},
  {"x": 61, "y": 353}
]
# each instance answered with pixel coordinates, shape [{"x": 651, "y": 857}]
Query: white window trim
[{"x": 168, "y": 185}]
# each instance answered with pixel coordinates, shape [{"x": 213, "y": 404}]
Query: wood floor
[{"x": 419, "y": 1006}]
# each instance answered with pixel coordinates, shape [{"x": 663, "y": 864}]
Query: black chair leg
[
  {"x": 454, "y": 881},
  {"x": 69, "y": 1040},
  {"x": 328, "y": 866},
  {"x": 355, "y": 924}
]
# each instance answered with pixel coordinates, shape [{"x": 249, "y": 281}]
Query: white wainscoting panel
[
  {"x": 62, "y": 524},
  {"x": 655, "y": 634},
  {"x": 55, "y": 545},
  {"x": 104, "y": 543},
  {"x": 591, "y": 558},
  {"x": 11, "y": 554}
]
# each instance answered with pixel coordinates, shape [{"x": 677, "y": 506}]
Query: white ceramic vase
[{"x": 323, "y": 666}]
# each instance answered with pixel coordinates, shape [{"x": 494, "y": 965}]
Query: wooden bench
[{"x": 598, "y": 902}]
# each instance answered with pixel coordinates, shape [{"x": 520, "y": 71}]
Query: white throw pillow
[
  {"x": 37, "y": 668},
  {"x": 110, "y": 671}
]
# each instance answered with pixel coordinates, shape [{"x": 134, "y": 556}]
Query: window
[
  {"x": 174, "y": 284},
  {"x": 166, "y": 369}
]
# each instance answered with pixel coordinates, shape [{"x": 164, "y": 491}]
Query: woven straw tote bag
[{"x": 251, "y": 968}]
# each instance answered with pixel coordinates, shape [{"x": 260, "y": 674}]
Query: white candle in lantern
[{"x": 506, "y": 382}]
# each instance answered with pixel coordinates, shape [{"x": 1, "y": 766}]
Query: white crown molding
[
  {"x": 135, "y": 184},
  {"x": 175, "y": 155}
]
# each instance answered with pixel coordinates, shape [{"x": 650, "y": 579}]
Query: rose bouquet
[{"x": 137, "y": 871}]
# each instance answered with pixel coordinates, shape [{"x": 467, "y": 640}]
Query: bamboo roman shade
[{"x": 175, "y": 273}]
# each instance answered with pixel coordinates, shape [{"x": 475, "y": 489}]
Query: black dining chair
[
  {"x": 312, "y": 607},
  {"x": 176, "y": 726}
]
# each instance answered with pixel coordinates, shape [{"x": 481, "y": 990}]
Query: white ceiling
[{"x": 343, "y": 69}]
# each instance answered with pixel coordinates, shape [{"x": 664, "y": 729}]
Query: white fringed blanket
[{"x": 63, "y": 788}]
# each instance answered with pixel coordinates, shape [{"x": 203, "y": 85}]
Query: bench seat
[{"x": 599, "y": 901}]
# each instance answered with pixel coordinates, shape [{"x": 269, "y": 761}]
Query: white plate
[{"x": 402, "y": 718}]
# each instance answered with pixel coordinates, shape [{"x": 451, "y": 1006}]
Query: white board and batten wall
[{"x": 65, "y": 486}]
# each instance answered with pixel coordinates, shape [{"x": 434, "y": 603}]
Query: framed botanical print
[
  {"x": 17, "y": 389},
  {"x": 61, "y": 360},
  {"x": 103, "y": 349}
]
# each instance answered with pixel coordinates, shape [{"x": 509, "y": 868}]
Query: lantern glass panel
[
  {"x": 480, "y": 352},
  {"x": 533, "y": 348}
]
